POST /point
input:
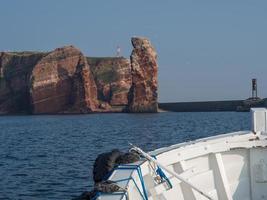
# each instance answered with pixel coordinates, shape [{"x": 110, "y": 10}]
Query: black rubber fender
[
  {"x": 87, "y": 195},
  {"x": 104, "y": 164},
  {"x": 127, "y": 158}
]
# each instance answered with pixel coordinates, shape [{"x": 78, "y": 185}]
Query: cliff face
[
  {"x": 143, "y": 93},
  {"x": 113, "y": 80},
  {"x": 62, "y": 82},
  {"x": 65, "y": 81},
  {"x": 15, "y": 73}
]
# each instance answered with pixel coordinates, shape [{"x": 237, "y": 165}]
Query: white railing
[{"x": 259, "y": 120}]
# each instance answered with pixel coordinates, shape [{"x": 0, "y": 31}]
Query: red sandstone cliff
[
  {"x": 15, "y": 73},
  {"x": 143, "y": 94},
  {"x": 113, "y": 79},
  {"x": 65, "y": 81},
  {"x": 62, "y": 82}
]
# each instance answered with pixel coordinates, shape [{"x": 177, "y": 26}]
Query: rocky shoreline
[{"x": 65, "y": 81}]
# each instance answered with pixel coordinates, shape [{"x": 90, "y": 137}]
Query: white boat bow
[{"x": 226, "y": 167}]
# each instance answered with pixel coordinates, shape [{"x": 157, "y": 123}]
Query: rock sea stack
[{"x": 143, "y": 95}]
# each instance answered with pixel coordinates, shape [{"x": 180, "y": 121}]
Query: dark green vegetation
[
  {"x": 26, "y": 53},
  {"x": 108, "y": 74},
  {"x": 104, "y": 68}
]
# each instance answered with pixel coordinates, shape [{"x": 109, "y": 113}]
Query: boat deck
[{"x": 226, "y": 167}]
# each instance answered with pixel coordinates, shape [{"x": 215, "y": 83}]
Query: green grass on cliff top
[
  {"x": 25, "y": 53},
  {"x": 95, "y": 60},
  {"x": 105, "y": 72}
]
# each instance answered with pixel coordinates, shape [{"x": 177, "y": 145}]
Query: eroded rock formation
[
  {"x": 113, "y": 79},
  {"x": 143, "y": 94},
  {"x": 15, "y": 73},
  {"x": 62, "y": 82},
  {"x": 65, "y": 81}
]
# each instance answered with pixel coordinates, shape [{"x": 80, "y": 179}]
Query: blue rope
[
  {"x": 162, "y": 174},
  {"x": 139, "y": 172},
  {"x": 134, "y": 184},
  {"x": 97, "y": 195}
]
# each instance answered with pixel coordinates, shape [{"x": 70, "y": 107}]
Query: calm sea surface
[{"x": 51, "y": 157}]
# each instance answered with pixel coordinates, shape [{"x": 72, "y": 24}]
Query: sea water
[{"x": 51, "y": 156}]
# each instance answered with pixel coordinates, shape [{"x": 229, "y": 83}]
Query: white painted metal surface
[
  {"x": 259, "y": 120},
  {"x": 226, "y": 167}
]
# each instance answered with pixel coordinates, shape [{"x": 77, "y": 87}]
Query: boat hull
[{"x": 229, "y": 166}]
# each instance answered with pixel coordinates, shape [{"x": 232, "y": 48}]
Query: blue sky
[{"x": 207, "y": 49}]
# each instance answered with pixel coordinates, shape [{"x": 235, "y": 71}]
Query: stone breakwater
[
  {"x": 213, "y": 106},
  {"x": 66, "y": 81}
]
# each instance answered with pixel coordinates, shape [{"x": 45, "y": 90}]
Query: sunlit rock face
[
  {"x": 61, "y": 82},
  {"x": 143, "y": 93}
]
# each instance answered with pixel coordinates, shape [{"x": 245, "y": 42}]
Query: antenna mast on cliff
[{"x": 118, "y": 54}]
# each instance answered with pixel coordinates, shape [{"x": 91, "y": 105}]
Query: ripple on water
[{"x": 51, "y": 157}]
